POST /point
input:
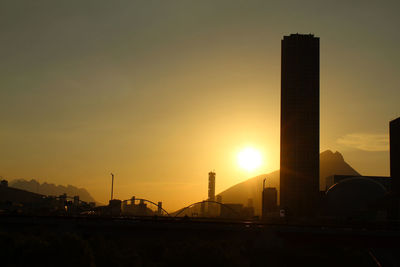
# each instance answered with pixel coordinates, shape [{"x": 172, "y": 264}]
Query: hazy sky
[{"x": 161, "y": 92}]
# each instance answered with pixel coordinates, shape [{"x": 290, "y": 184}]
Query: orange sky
[{"x": 161, "y": 92}]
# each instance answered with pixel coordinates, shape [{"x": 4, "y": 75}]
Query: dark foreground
[{"x": 63, "y": 241}]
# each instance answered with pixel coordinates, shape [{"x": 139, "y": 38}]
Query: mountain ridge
[{"x": 50, "y": 189}]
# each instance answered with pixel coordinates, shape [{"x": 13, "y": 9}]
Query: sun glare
[{"x": 249, "y": 159}]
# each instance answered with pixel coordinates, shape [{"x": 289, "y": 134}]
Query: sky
[{"x": 162, "y": 92}]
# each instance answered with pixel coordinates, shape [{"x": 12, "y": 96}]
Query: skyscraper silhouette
[
  {"x": 299, "y": 177},
  {"x": 211, "y": 186},
  {"x": 394, "y": 128}
]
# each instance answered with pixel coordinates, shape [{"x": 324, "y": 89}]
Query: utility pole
[{"x": 112, "y": 185}]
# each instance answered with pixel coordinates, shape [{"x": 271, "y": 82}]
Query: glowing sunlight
[{"x": 249, "y": 159}]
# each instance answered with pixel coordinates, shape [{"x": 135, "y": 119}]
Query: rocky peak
[{"x": 328, "y": 155}]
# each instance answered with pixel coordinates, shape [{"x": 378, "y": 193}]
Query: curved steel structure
[
  {"x": 126, "y": 200},
  {"x": 209, "y": 201}
]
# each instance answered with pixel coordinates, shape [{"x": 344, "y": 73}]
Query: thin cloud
[{"x": 365, "y": 141}]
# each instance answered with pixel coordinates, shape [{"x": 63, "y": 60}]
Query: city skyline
[{"x": 136, "y": 91}]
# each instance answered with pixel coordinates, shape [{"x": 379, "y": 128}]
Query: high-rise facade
[
  {"x": 394, "y": 128},
  {"x": 299, "y": 157}
]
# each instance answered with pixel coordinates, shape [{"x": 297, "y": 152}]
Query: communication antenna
[{"x": 112, "y": 185}]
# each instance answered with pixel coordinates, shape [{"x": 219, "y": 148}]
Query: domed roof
[{"x": 354, "y": 197}]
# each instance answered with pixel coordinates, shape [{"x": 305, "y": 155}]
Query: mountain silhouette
[
  {"x": 52, "y": 189},
  {"x": 330, "y": 164},
  {"x": 333, "y": 163}
]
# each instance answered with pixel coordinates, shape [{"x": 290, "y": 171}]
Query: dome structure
[{"x": 356, "y": 197}]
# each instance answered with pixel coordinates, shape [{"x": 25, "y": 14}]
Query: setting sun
[{"x": 249, "y": 159}]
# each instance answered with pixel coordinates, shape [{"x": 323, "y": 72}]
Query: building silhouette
[
  {"x": 334, "y": 179},
  {"x": 359, "y": 198},
  {"x": 299, "y": 157},
  {"x": 211, "y": 186},
  {"x": 394, "y": 129},
  {"x": 269, "y": 200}
]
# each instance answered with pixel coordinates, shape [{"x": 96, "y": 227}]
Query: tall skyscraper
[
  {"x": 299, "y": 170},
  {"x": 394, "y": 128},
  {"x": 211, "y": 186}
]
